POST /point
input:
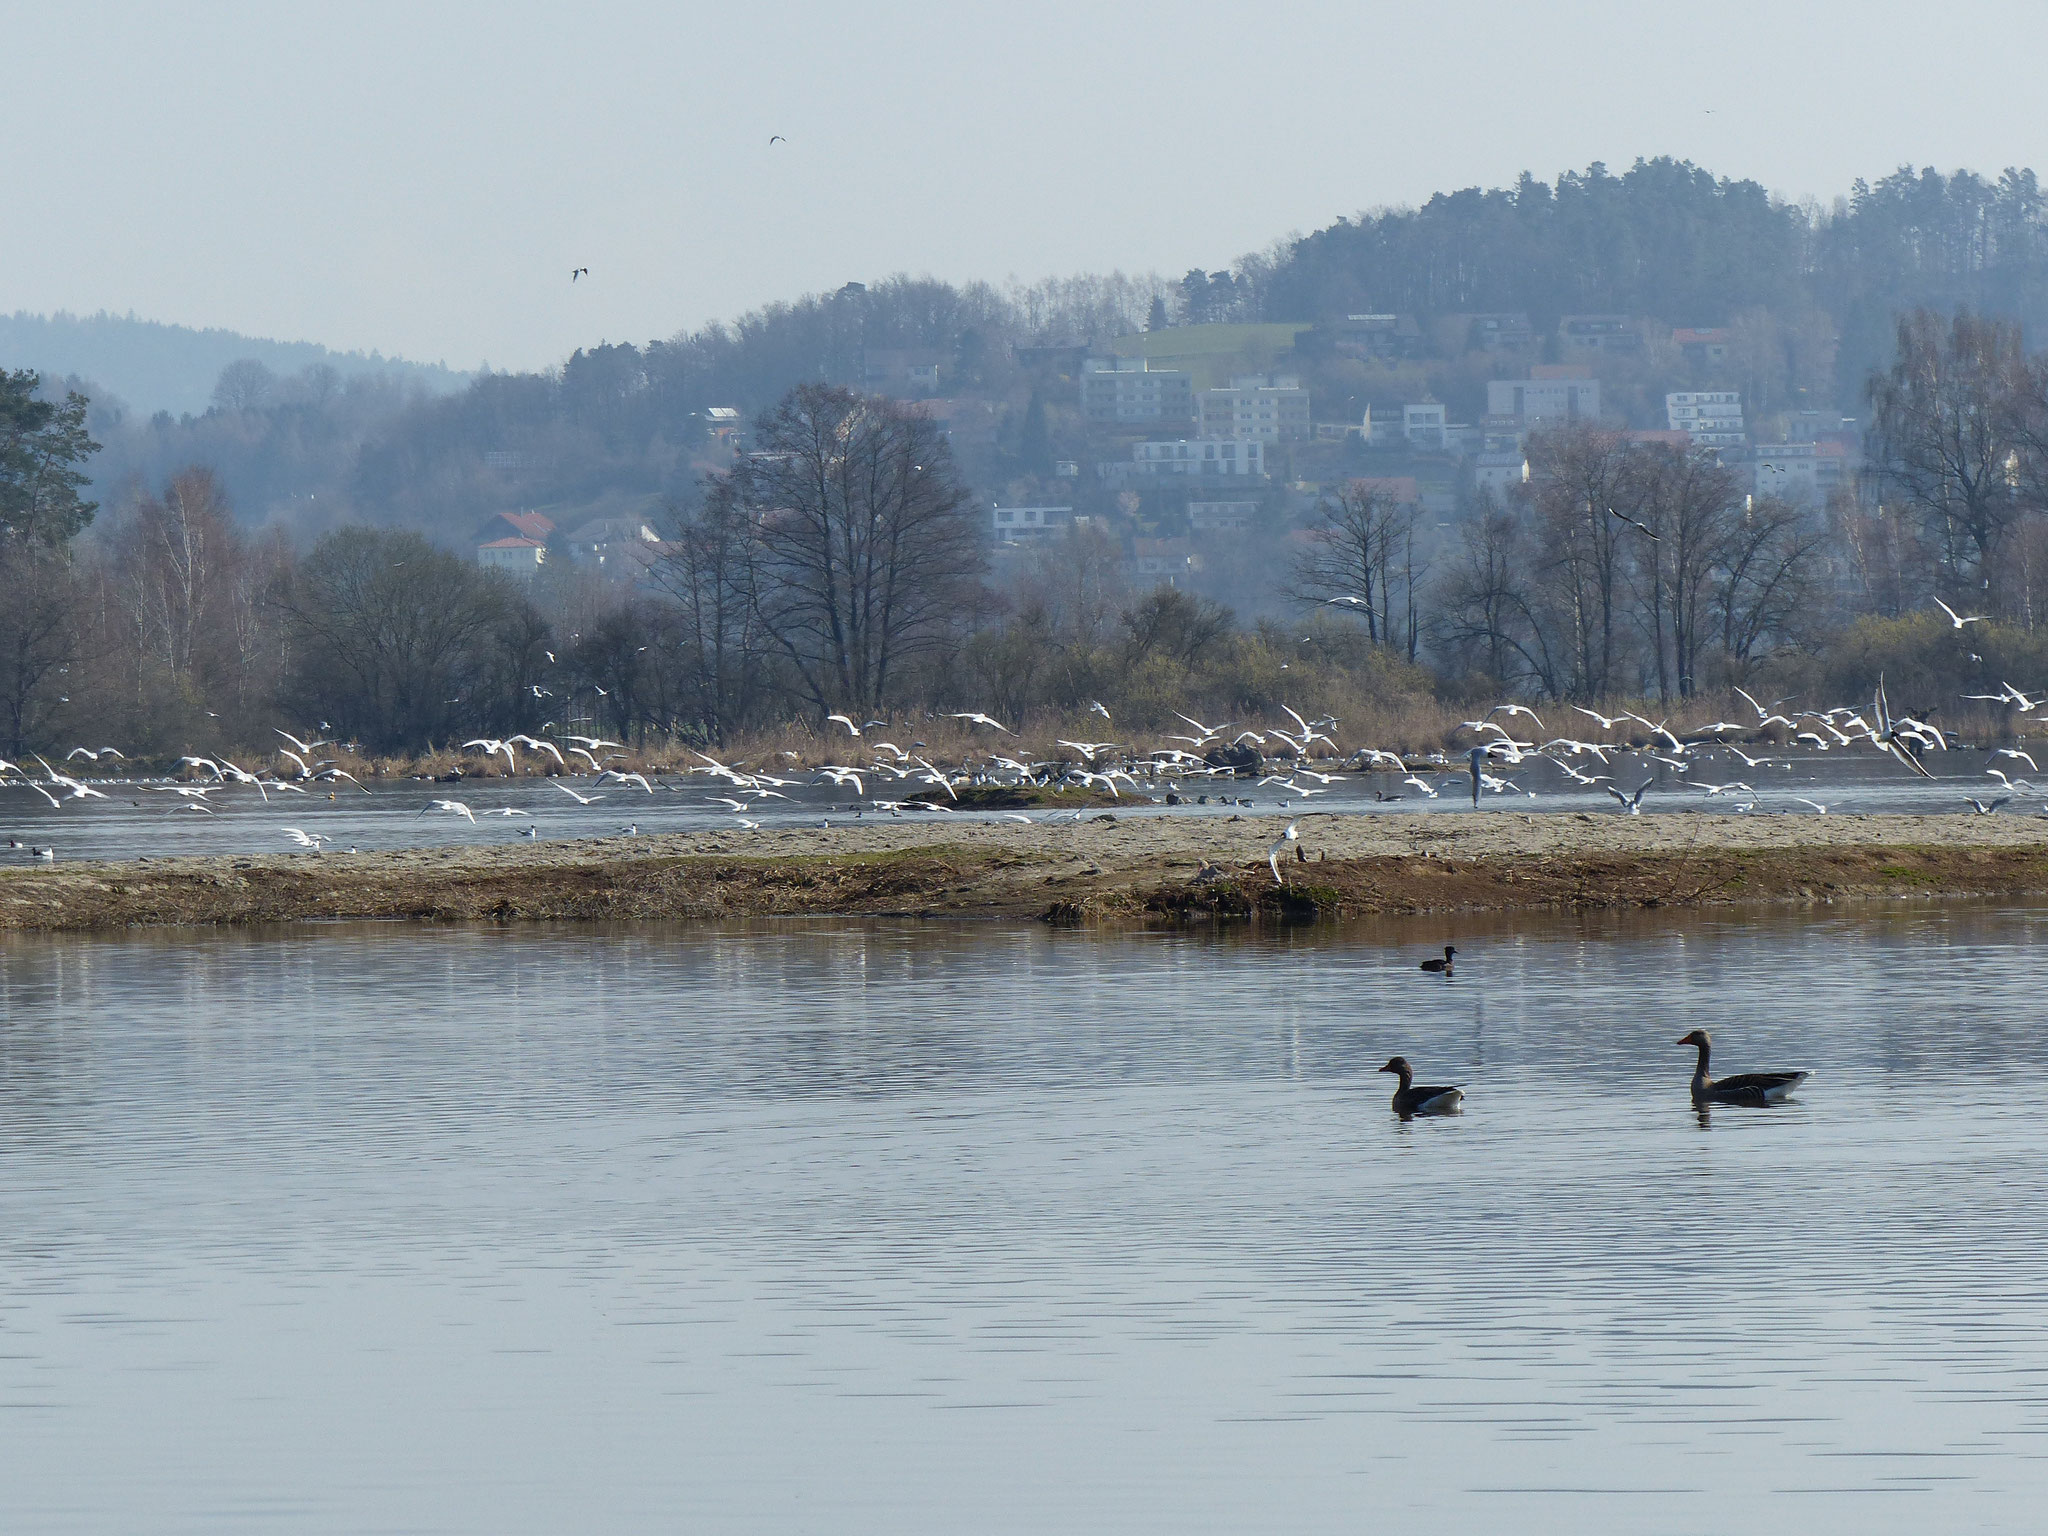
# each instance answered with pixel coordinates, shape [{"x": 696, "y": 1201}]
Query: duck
[
  {"x": 1755, "y": 1089},
  {"x": 1411, "y": 1100},
  {"x": 1444, "y": 964}
]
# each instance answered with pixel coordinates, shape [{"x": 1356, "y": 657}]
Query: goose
[
  {"x": 1444, "y": 964},
  {"x": 1755, "y": 1089},
  {"x": 1411, "y": 1100}
]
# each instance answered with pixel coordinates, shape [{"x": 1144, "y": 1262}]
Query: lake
[{"x": 847, "y": 1226}]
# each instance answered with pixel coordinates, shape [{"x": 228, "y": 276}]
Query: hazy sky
[{"x": 421, "y": 178}]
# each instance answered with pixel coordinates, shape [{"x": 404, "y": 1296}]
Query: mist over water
[{"x": 921, "y": 1227}]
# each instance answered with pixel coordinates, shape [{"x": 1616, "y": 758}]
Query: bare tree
[
  {"x": 709, "y": 570},
  {"x": 1485, "y": 607},
  {"x": 399, "y": 643},
  {"x": 1947, "y": 439},
  {"x": 1363, "y": 544},
  {"x": 865, "y": 547},
  {"x": 1589, "y": 495},
  {"x": 1687, "y": 513},
  {"x": 1766, "y": 583}
]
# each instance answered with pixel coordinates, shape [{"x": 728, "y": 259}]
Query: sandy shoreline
[{"x": 1122, "y": 869}]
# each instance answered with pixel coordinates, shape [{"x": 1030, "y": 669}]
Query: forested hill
[
  {"x": 1810, "y": 294},
  {"x": 154, "y": 367},
  {"x": 1670, "y": 240}
]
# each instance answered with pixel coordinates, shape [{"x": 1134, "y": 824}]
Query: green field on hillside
[{"x": 1211, "y": 352}]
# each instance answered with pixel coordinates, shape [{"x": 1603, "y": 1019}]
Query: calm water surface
[{"x": 847, "y": 1227}]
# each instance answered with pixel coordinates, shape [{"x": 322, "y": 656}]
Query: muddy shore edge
[{"x": 1108, "y": 870}]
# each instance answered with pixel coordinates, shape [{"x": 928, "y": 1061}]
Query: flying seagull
[
  {"x": 573, "y": 275},
  {"x": 1639, "y": 527},
  {"x": 777, "y": 139},
  {"x": 1956, "y": 618}
]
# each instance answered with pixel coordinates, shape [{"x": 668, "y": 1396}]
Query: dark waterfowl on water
[
  {"x": 1444, "y": 964},
  {"x": 1755, "y": 1089},
  {"x": 1411, "y": 1100}
]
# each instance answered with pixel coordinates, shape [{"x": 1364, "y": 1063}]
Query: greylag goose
[
  {"x": 1411, "y": 1100},
  {"x": 1444, "y": 964},
  {"x": 1755, "y": 1089}
]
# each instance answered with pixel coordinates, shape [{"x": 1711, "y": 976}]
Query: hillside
[{"x": 151, "y": 367}]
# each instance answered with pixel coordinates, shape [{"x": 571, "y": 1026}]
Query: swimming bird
[
  {"x": 1754, "y": 1089},
  {"x": 1411, "y": 1100},
  {"x": 1444, "y": 964}
]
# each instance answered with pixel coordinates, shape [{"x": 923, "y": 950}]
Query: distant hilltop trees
[{"x": 150, "y": 367}]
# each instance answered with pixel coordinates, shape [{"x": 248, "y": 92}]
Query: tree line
[{"x": 842, "y": 565}]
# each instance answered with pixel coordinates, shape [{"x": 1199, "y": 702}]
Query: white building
[
  {"x": 1425, "y": 425},
  {"x": 1499, "y": 472},
  {"x": 1712, "y": 417},
  {"x": 1257, "y": 407},
  {"x": 1012, "y": 524},
  {"x": 514, "y": 556},
  {"x": 1541, "y": 402},
  {"x": 1116, "y": 391},
  {"x": 1204, "y": 456}
]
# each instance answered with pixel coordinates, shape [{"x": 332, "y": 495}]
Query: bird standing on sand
[{"x": 1411, "y": 1100}]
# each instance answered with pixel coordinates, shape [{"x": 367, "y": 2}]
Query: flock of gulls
[
  {"x": 1626, "y": 757},
  {"x": 1746, "y": 1090}
]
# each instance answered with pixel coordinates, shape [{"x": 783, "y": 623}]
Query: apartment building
[
  {"x": 1222, "y": 516},
  {"x": 1599, "y": 335},
  {"x": 1203, "y": 456},
  {"x": 1015, "y": 524},
  {"x": 1382, "y": 338},
  {"x": 1128, "y": 391},
  {"x": 1543, "y": 402},
  {"x": 1259, "y": 407},
  {"x": 1706, "y": 348},
  {"x": 1711, "y": 417}
]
